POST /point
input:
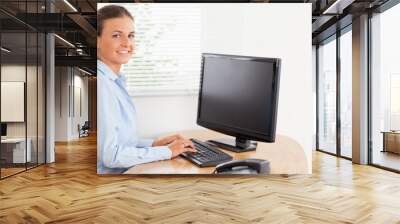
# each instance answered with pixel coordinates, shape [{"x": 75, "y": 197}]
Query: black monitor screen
[
  {"x": 238, "y": 95},
  {"x": 3, "y": 129}
]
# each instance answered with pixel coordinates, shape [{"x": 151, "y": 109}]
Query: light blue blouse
[{"x": 118, "y": 146}]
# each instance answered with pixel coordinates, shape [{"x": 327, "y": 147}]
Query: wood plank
[{"x": 70, "y": 191}]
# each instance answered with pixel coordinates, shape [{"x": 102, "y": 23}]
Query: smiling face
[{"x": 115, "y": 45}]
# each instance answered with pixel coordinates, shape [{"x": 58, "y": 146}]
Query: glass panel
[
  {"x": 346, "y": 94},
  {"x": 32, "y": 86},
  {"x": 13, "y": 87},
  {"x": 41, "y": 98},
  {"x": 386, "y": 89},
  {"x": 327, "y": 97},
  {"x": 23, "y": 87},
  {"x": 31, "y": 99}
]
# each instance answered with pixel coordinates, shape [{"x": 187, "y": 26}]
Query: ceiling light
[
  {"x": 338, "y": 6},
  {"x": 64, "y": 40},
  {"x": 5, "y": 50},
  {"x": 84, "y": 71},
  {"x": 70, "y": 5}
]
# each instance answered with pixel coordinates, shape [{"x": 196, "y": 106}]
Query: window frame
[
  {"x": 381, "y": 9},
  {"x": 334, "y": 37}
]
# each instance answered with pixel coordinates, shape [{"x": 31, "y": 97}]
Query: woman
[{"x": 118, "y": 145}]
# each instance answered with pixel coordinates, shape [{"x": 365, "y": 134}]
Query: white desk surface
[{"x": 13, "y": 140}]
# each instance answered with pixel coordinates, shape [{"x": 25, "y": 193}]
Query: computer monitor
[
  {"x": 239, "y": 97},
  {"x": 3, "y": 129}
]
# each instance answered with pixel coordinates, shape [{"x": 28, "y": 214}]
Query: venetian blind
[{"x": 167, "y": 58}]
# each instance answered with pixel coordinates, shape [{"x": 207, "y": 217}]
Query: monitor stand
[{"x": 235, "y": 145}]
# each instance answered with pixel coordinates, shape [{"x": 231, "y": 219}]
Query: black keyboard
[{"x": 206, "y": 155}]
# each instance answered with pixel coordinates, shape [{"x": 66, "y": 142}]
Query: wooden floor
[
  {"x": 10, "y": 171},
  {"x": 70, "y": 191}
]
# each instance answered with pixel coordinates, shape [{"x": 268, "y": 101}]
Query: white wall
[
  {"x": 14, "y": 72},
  {"x": 33, "y": 126},
  {"x": 17, "y": 73},
  {"x": 61, "y": 103},
  {"x": 255, "y": 30},
  {"x": 158, "y": 115},
  {"x": 314, "y": 88},
  {"x": 67, "y": 85},
  {"x": 80, "y": 83}
]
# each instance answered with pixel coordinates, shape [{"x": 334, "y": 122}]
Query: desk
[
  {"x": 285, "y": 155},
  {"x": 391, "y": 141},
  {"x": 17, "y": 150}
]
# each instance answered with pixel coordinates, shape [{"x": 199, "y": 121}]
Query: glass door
[
  {"x": 326, "y": 60},
  {"x": 22, "y": 77},
  {"x": 346, "y": 93},
  {"x": 13, "y": 103}
]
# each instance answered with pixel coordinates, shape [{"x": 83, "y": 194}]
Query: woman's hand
[
  {"x": 167, "y": 140},
  {"x": 181, "y": 145}
]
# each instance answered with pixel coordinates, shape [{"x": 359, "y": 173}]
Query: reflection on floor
[
  {"x": 10, "y": 169},
  {"x": 346, "y": 152},
  {"x": 387, "y": 159}
]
